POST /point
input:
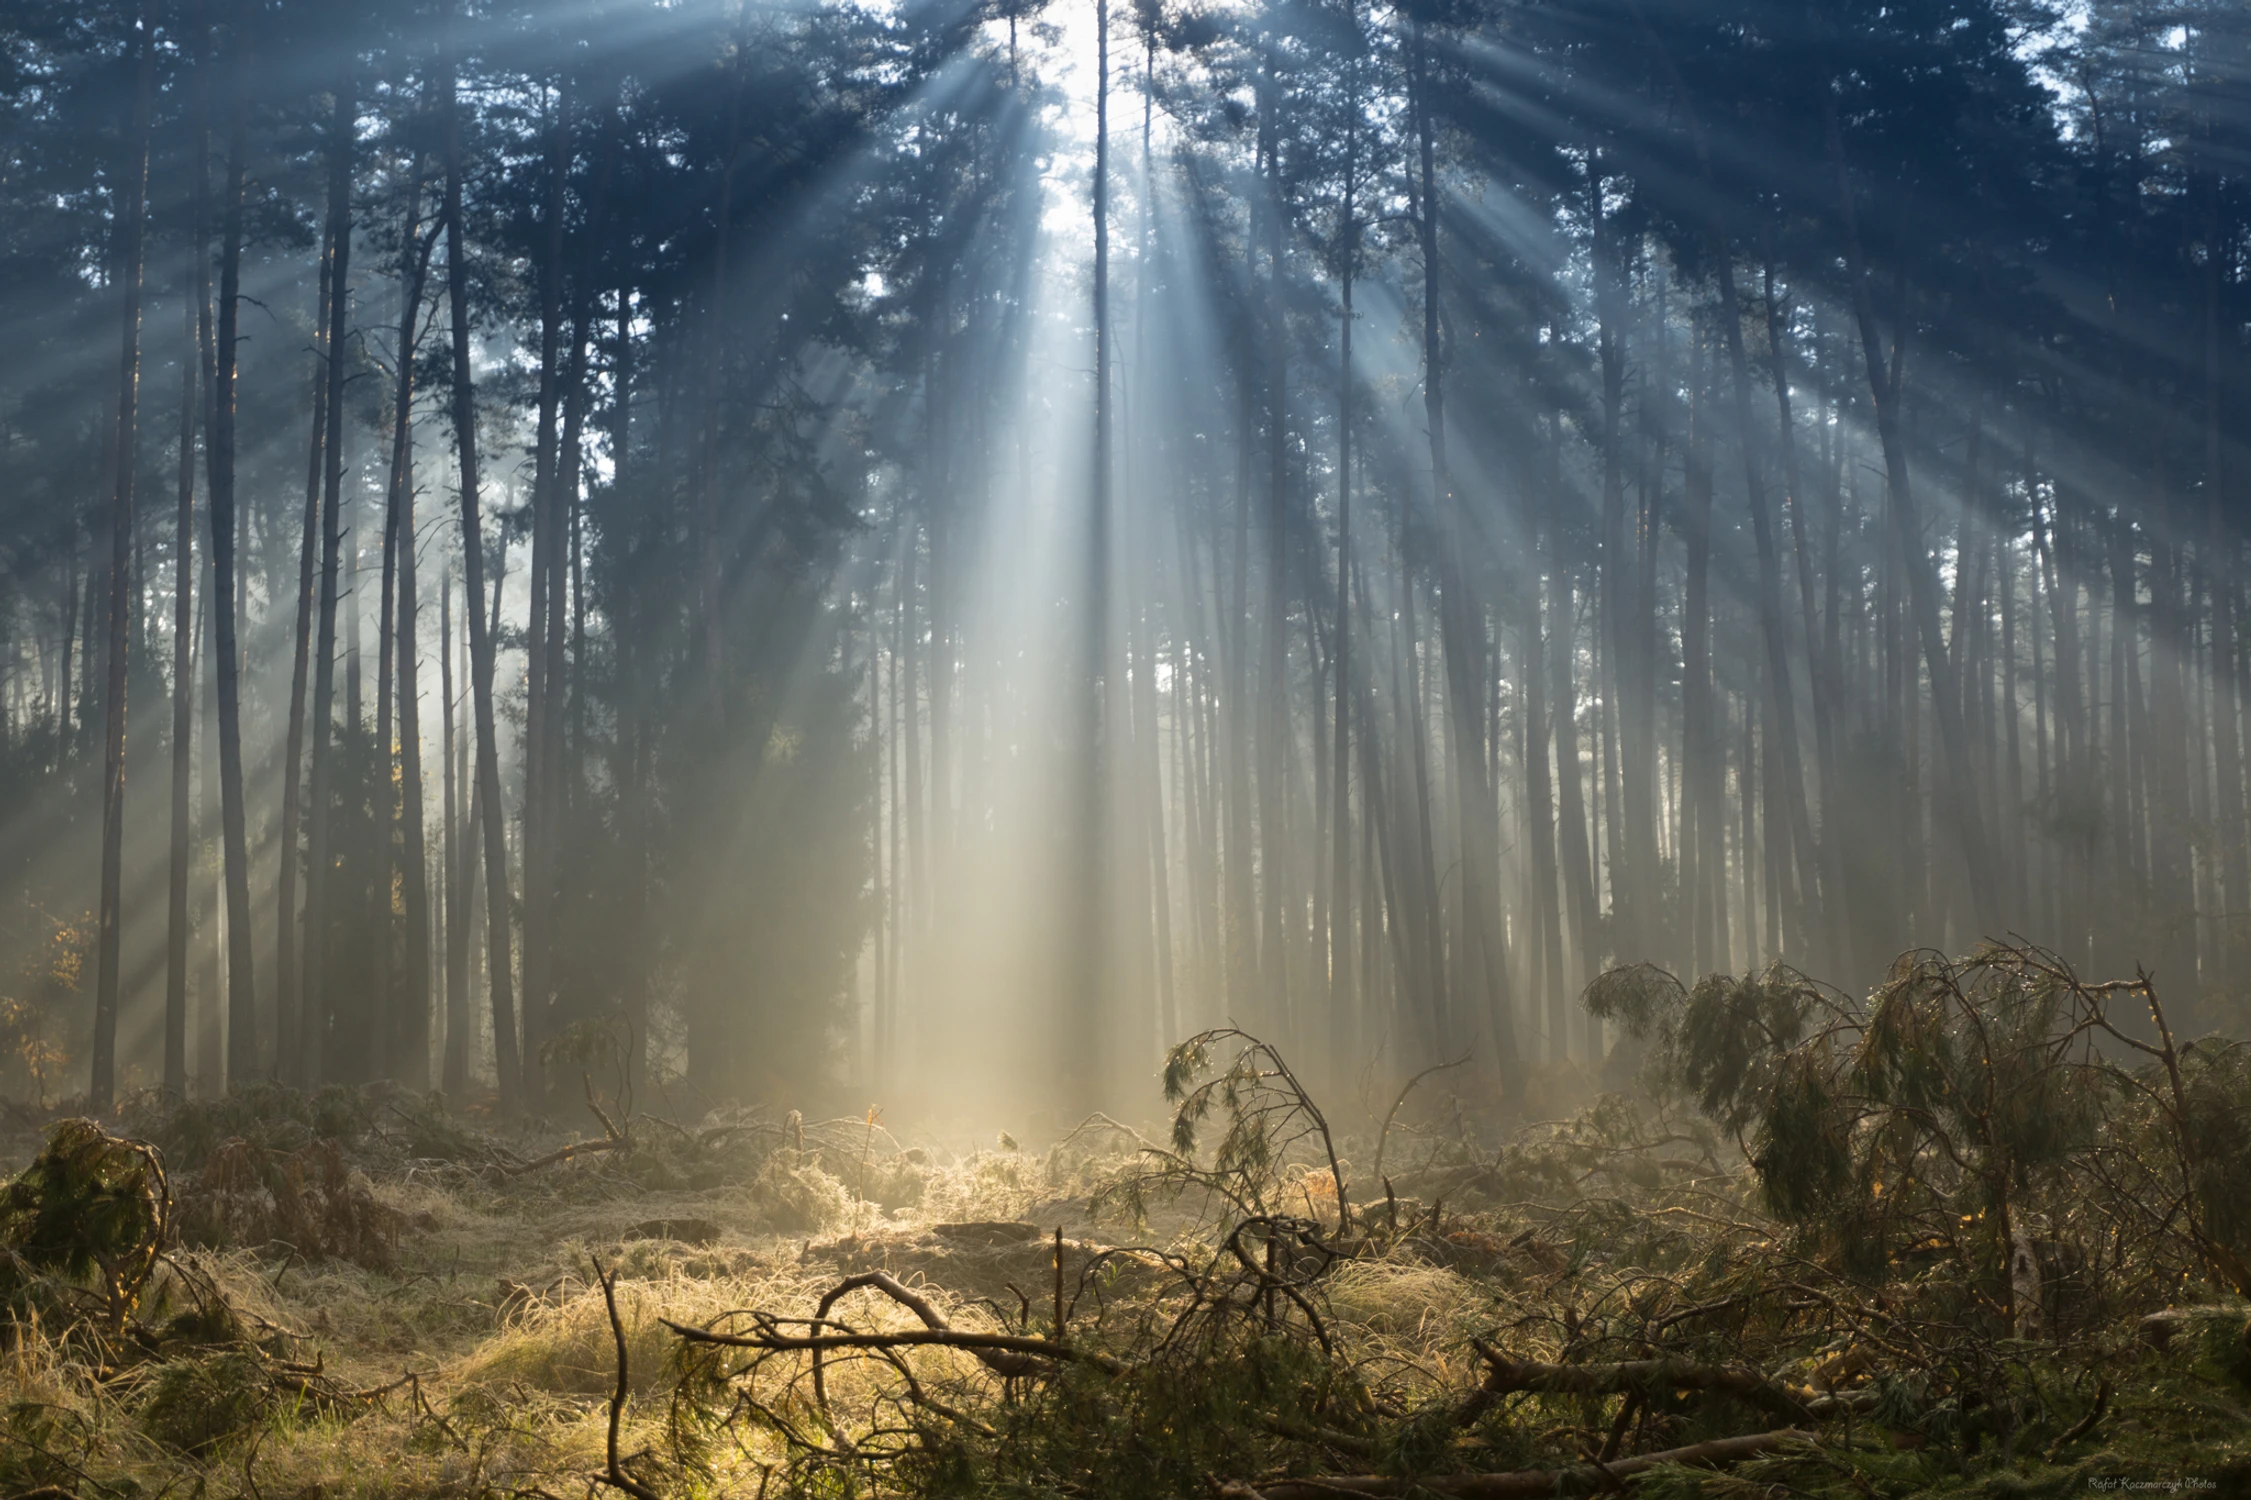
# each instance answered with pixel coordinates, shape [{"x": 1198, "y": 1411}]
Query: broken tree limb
[
  {"x": 565, "y": 1153},
  {"x": 1000, "y": 1363},
  {"x": 1505, "y": 1375},
  {"x": 1004, "y": 1354},
  {"x": 1517, "y": 1484},
  {"x": 986, "y": 1346},
  {"x": 615, "y": 1475}
]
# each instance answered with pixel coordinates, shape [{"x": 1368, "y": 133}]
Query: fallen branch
[
  {"x": 616, "y": 1477},
  {"x": 1005, "y": 1354},
  {"x": 999, "y": 1363},
  {"x": 1643, "y": 1375},
  {"x": 1517, "y": 1484},
  {"x": 1323, "y": 1437},
  {"x": 566, "y": 1153},
  {"x": 980, "y": 1344}
]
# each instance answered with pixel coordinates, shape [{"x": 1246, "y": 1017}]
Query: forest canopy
[{"x": 930, "y": 550}]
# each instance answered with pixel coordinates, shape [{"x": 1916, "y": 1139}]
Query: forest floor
[{"x": 361, "y": 1295}]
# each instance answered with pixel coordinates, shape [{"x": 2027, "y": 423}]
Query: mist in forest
[{"x": 920, "y": 553}]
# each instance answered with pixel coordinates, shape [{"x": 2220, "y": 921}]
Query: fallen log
[
  {"x": 1647, "y": 1376},
  {"x": 1517, "y": 1484}
]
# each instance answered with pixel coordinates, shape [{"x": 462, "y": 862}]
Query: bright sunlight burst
[{"x": 1254, "y": 749}]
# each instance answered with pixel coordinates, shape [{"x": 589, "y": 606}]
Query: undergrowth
[{"x": 1981, "y": 1232}]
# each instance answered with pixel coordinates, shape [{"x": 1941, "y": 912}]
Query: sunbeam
[{"x": 925, "y": 552}]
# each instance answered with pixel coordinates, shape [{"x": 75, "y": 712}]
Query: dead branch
[
  {"x": 1517, "y": 1484},
  {"x": 1638, "y": 1375},
  {"x": 912, "y": 1301},
  {"x": 988, "y": 1347},
  {"x": 616, "y": 1477},
  {"x": 1383, "y": 1137},
  {"x": 1322, "y": 1437},
  {"x": 2085, "y": 1424},
  {"x": 566, "y": 1153}
]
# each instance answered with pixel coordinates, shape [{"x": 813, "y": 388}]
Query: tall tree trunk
[
  {"x": 1276, "y": 867},
  {"x": 1085, "y": 1045},
  {"x": 707, "y": 508},
  {"x": 2220, "y": 568},
  {"x": 1801, "y": 889},
  {"x": 1572, "y": 841},
  {"x": 320, "y": 842},
  {"x": 1702, "y": 863},
  {"x": 183, "y": 727},
  {"x": 547, "y": 543},
  {"x": 1829, "y": 924},
  {"x": 407, "y": 1038},
  {"x": 1632, "y": 883},
  {"x": 133, "y": 210},
  {"x": 1485, "y": 967},
  {"x": 1884, "y": 376},
  {"x": 507, "y": 1059},
  {"x": 219, "y": 451},
  {"x": 290, "y": 983},
  {"x": 1344, "y": 1004},
  {"x": 209, "y": 1070},
  {"x": 453, "y": 1074}
]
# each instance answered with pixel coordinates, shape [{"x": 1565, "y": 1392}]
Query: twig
[
  {"x": 1383, "y": 1137},
  {"x": 565, "y": 1153},
  {"x": 2085, "y": 1424},
  {"x": 616, "y": 1477}
]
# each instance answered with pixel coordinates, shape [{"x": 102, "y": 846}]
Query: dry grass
[{"x": 483, "y": 1342}]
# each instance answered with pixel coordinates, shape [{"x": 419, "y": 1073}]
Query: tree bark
[
  {"x": 219, "y": 451},
  {"x": 290, "y": 976},
  {"x": 183, "y": 727},
  {"x": 313, "y": 1026},
  {"x": 407, "y": 1017},
  {"x": 1884, "y": 390},
  {"x": 1484, "y": 968},
  {"x": 481, "y": 646},
  {"x": 102, "y": 1089}
]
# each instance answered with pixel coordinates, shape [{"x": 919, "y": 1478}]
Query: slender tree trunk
[
  {"x": 1829, "y": 924},
  {"x": 1486, "y": 969},
  {"x": 1801, "y": 889},
  {"x": 1275, "y": 864},
  {"x": 1083, "y": 1046},
  {"x": 1572, "y": 841},
  {"x": 210, "y": 1067},
  {"x": 547, "y": 543},
  {"x": 408, "y": 1035},
  {"x": 219, "y": 451},
  {"x": 453, "y": 857},
  {"x": 1884, "y": 389},
  {"x": 2220, "y": 568},
  {"x": 1344, "y": 1005},
  {"x": 320, "y": 842},
  {"x": 707, "y": 509},
  {"x": 133, "y": 211},
  {"x": 183, "y": 729},
  {"x": 289, "y": 992},
  {"x": 507, "y": 1059},
  {"x": 1632, "y": 871},
  {"x": 1702, "y": 865}
]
